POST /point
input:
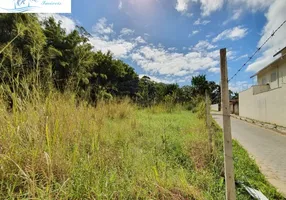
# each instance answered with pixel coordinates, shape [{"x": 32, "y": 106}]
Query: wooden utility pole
[
  {"x": 228, "y": 158},
  {"x": 208, "y": 120}
]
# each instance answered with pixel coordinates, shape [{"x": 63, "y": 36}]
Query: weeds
[{"x": 58, "y": 148}]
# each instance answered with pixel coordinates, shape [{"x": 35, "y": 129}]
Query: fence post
[
  {"x": 228, "y": 158},
  {"x": 208, "y": 120}
]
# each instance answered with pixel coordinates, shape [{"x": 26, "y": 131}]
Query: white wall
[
  {"x": 280, "y": 69},
  {"x": 267, "y": 106},
  {"x": 260, "y": 88},
  {"x": 282, "y": 74}
]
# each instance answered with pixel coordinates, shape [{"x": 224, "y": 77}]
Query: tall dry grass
[
  {"x": 46, "y": 143},
  {"x": 58, "y": 148},
  {"x": 54, "y": 147}
]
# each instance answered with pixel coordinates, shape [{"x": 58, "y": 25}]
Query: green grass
[
  {"x": 247, "y": 172},
  {"x": 58, "y": 149}
]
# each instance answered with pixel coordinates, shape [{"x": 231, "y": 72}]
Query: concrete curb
[{"x": 274, "y": 127}]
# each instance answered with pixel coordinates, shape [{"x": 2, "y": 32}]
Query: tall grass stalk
[{"x": 54, "y": 147}]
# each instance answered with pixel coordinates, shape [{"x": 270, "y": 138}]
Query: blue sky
[{"x": 173, "y": 40}]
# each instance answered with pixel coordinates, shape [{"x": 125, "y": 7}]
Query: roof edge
[
  {"x": 270, "y": 63},
  {"x": 267, "y": 66},
  {"x": 279, "y": 51}
]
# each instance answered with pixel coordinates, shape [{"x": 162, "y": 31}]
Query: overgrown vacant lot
[{"x": 58, "y": 149}]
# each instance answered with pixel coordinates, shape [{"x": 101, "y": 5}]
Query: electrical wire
[
  {"x": 257, "y": 50},
  {"x": 253, "y": 55}
]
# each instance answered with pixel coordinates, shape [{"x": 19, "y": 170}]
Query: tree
[
  {"x": 71, "y": 55},
  {"x": 186, "y": 93},
  {"x": 44, "y": 54},
  {"x": 200, "y": 84},
  {"x": 128, "y": 83},
  {"x": 147, "y": 91},
  {"x": 214, "y": 92},
  {"x": 235, "y": 95},
  {"x": 22, "y": 46}
]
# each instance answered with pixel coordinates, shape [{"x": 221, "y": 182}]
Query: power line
[
  {"x": 252, "y": 56},
  {"x": 257, "y": 50}
]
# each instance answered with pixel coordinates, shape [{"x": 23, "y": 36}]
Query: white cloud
[
  {"x": 126, "y": 31},
  {"x": 235, "y": 33},
  {"x": 241, "y": 57},
  {"x": 209, "y": 6},
  {"x": 100, "y": 36},
  {"x": 239, "y": 86},
  {"x": 201, "y": 22},
  {"x": 182, "y": 5},
  {"x": 120, "y": 5},
  {"x": 203, "y": 45},
  {"x": 156, "y": 79},
  {"x": 254, "y": 5},
  {"x": 67, "y": 23},
  {"x": 230, "y": 55},
  {"x": 139, "y": 39},
  {"x": 172, "y": 49},
  {"x": 102, "y": 27},
  {"x": 214, "y": 70},
  {"x": 275, "y": 16},
  {"x": 216, "y": 54},
  {"x": 157, "y": 60},
  {"x": 235, "y": 16},
  {"x": 188, "y": 14},
  {"x": 101, "y": 41},
  {"x": 153, "y": 59},
  {"x": 186, "y": 79},
  {"x": 120, "y": 48},
  {"x": 195, "y": 32}
]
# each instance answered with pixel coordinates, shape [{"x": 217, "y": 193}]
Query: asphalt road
[{"x": 267, "y": 147}]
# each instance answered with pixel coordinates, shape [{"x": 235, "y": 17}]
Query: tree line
[{"x": 42, "y": 54}]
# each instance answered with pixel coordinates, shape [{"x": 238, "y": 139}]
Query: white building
[{"x": 266, "y": 101}]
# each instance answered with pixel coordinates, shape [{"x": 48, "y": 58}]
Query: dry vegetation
[{"x": 58, "y": 148}]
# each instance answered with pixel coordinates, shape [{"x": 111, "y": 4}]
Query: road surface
[{"x": 267, "y": 147}]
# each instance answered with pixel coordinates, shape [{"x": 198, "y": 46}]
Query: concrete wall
[
  {"x": 260, "y": 88},
  {"x": 234, "y": 108},
  {"x": 215, "y": 107},
  {"x": 282, "y": 74},
  {"x": 231, "y": 108},
  {"x": 267, "y": 106}
]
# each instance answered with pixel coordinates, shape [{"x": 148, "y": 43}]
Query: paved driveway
[{"x": 267, "y": 147}]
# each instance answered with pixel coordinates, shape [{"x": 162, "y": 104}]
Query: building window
[
  {"x": 273, "y": 76},
  {"x": 264, "y": 81}
]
